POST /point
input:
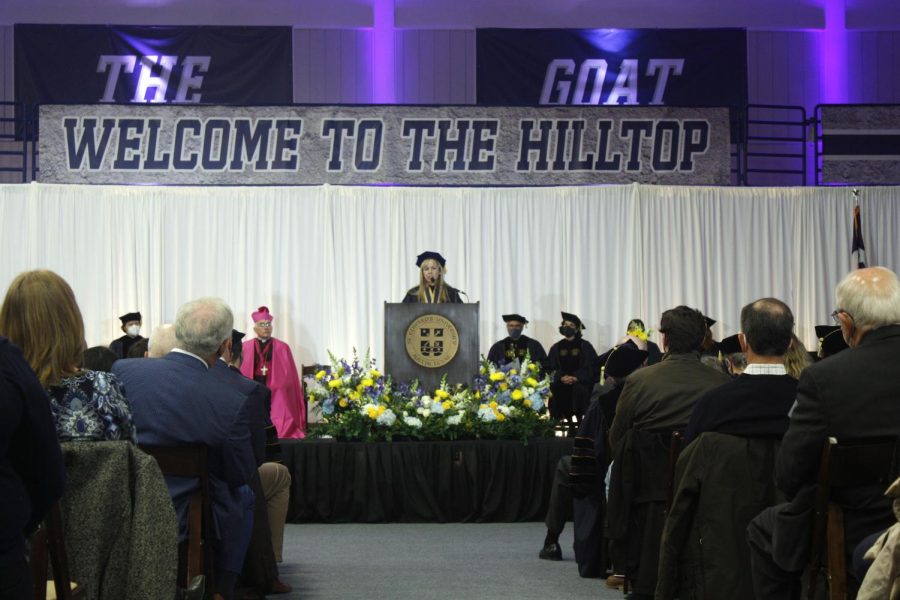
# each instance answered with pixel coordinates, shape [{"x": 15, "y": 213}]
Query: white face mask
[{"x": 133, "y": 330}]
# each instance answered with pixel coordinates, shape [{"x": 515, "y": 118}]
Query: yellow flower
[
  {"x": 500, "y": 415},
  {"x": 359, "y": 387},
  {"x": 447, "y": 405},
  {"x": 372, "y": 412},
  {"x": 638, "y": 333},
  {"x": 343, "y": 403},
  {"x": 531, "y": 382},
  {"x": 335, "y": 383},
  {"x": 532, "y": 367},
  {"x": 320, "y": 375},
  {"x": 483, "y": 406},
  {"x": 482, "y": 370},
  {"x": 513, "y": 372},
  {"x": 493, "y": 404},
  {"x": 375, "y": 373},
  {"x": 503, "y": 387},
  {"x": 478, "y": 394},
  {"x": 355, "y": 395},
  {"x": 497, "y": 376},
  {"x": 517, "y": 395},
  {"x": 527, "y": 403},
  {"x": 441, "y": 394},
  {"x": 380, "y": 409},
  {"x": 367, "y": 382}
]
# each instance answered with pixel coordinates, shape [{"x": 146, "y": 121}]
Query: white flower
[
  {"x": 423, "y": 411},
  {"x": 504, "y": 409},
  {"x": 412, "y": 422},
  {"x": 386, "y": 418},
  {"x": 454, "y": 419},
  {"x": 426, "y": 400},
  {"x": 486, "y": 414},
  {"x": 437, "y": 407}
]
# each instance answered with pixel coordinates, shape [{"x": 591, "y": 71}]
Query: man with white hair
[
  {"x": 162, "y": 341},
  {"x": 175, "y": 401},
  {"x": 848, "y": 396}
]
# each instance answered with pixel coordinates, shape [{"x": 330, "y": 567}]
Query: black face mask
[
  {"x": 515, "y": 333},
  {"x": 567, "y": 331}
]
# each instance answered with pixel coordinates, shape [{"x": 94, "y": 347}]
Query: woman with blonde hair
[
  {"x": 41, "y": 316},
  {"x": 796, "y": 359},
  {"x": 432, "y": 289}
]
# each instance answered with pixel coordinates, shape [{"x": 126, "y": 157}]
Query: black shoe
[
  {"x": 195, "y": 591},
  {"x": 550, "y": 552}
]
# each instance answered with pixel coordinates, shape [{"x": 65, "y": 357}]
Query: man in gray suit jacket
[
  {"x": 848, "y": 396},
  {"x": 176, "y": 401}
]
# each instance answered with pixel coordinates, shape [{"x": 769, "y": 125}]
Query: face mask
[
  {"x": 567, "y": 331},
  {"x": 515, "y": 333},
  {"x": 133, "y": 330}
]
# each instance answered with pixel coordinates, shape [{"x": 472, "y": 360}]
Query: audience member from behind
[
  {"x": 850, "y": 396},
  {"x": 655, "y": 401},
  {"x": 31, "y": 467},
  {"x": 797, "y": 358},
  {"x": 98, "y": 358},
  {"x": 162, "y": 341},
  {"x": 272, "y": 488},
  {"x": 756, "y": 403},
  {"x": 41, "y": 316},
  {"x": 177, "y": 402}
]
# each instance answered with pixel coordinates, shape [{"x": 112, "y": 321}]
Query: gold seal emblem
[{"x": 432, "y": 341}]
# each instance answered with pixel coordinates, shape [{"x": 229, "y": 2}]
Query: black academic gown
[
  {"x": 589, "y": 502},
  {"x": 507, "y": 350},
  {"x": 578, "y": 358},
  {"x": 120, "y": 346},
  {"x": 452, "y": 295}
]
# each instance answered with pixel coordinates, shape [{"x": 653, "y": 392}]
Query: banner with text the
[{"x": 378, "y": 144}]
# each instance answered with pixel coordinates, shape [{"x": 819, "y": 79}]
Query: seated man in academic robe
[
  {"x": 573, "y": 361},
  {"x": 516, "y": 345}
]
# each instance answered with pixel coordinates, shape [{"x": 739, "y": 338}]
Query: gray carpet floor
[{"x": 422, "y": 561}]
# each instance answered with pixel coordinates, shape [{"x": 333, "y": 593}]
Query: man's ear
[{"x": 742, "y": 340}]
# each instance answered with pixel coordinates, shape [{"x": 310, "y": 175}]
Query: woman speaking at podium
[{"x": 432, "y": 289}]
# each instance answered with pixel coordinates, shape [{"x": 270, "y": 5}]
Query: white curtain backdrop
[{"x": 325, "y": 259}]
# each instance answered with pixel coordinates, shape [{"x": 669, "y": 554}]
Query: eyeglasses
[
  {"x": 263, "y": 324},
  {"x": 837, "y": 312}
]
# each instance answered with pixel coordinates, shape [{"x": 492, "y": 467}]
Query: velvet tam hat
[
  {"x": 132, "y": 316},
  {"x": 428, "y": 254},
  {"x": 730, "y": 345},
  {"x": 574, "y": 319},
  {"x": 514, "y": 317},
  {"x": 262, "y": 314}
]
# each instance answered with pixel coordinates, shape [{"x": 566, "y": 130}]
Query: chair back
[
  {"x": 844, "y": 464},
  {"x": 49, "y": 541},
  {"x": 191, "y": 461}
]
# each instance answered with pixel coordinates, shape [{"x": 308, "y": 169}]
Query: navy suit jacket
[
  {"x": 259, "y": 397},
  {"x": 176, "y": 401}
]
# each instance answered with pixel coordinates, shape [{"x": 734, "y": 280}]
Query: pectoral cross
[{"x": 264, "y": 370}]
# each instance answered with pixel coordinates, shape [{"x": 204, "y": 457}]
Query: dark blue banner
[
  {"x": 653, "y": 67},
  {"x": 60, "y": 64}
]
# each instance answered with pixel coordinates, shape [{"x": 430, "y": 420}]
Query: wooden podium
[{"x": 425, "y": 341}]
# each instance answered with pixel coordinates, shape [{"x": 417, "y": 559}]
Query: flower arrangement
[
  {"x": 359, "y": 403},
  {"x": 354, "y": 399},
  {"x": 512, "y": 402}
]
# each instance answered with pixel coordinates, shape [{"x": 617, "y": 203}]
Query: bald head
[
  {"x": 767, "y": 325},
  {"x": 162, "y": 341},
  {"x": 870, "y": 297}
]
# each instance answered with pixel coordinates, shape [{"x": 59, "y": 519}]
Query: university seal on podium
[{"x": 432, "y": 341}]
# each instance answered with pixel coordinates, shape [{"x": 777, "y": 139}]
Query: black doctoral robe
[
  {"x": 120, "y": 346},
  {"x": 507, "y": 350},
  {"x": 452, "y": 295},
  {"x": 578, "y": 358}
]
